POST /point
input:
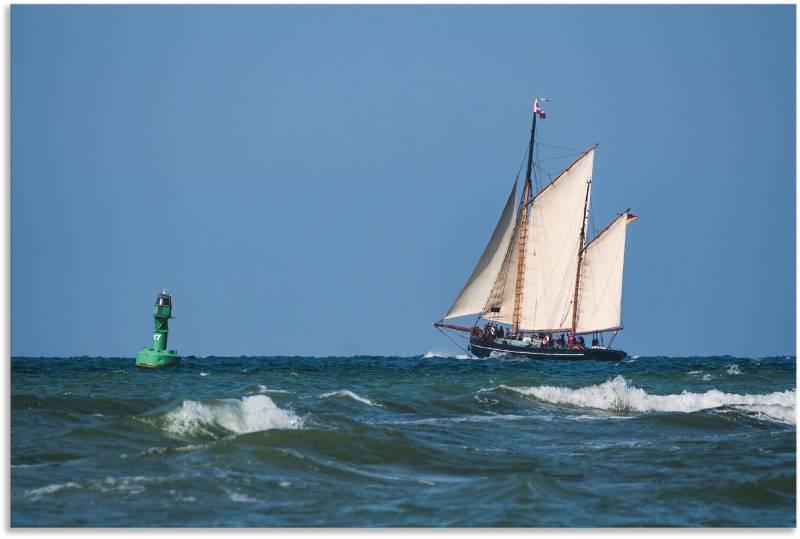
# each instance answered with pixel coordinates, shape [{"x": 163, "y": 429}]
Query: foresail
[
  {"x": 500, "y": 305},
  {"x": 473, "y": 297},
  {"x": 600, "y": 293},
  {"x": 558, "y": 214}
]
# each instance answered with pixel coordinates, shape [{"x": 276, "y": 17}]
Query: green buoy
[{"x": 158, "y": 355}]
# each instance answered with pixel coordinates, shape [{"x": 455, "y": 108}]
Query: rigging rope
[
  {"x": 455, "y": 343},
  {"x": 523, "y": 162},
  {"x": 559, "y": 147},
  {"x": 559, "y": 157}
]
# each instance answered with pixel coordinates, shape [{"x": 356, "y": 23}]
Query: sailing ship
[{"x": 541, "y": 285}]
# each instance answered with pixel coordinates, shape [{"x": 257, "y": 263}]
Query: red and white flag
[{"x": 537, "y": 109}]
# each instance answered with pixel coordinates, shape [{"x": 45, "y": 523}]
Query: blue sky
[{"x": 320, "y": 180}]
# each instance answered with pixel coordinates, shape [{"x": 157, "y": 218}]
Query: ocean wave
[
  {"x": 771, "y": 412},
  {"x": 509, "y": 357},
  {"x": 240, "y": 498},
  {"x": 444, "y": 355},
  {"x": 261, "y": 388},
  {"x": 618, "y": 394},
  {"x": 129, "y": 485},
  {"x": 253, "y": 413},
  {"x": 473, "y": 418},
  {"x": 348, "y": 394},
  {"x": 36, "y": 493},
  {"x": 179, "y": 449}
]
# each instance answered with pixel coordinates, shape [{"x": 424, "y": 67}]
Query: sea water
[{"x": 403, "y": 441}]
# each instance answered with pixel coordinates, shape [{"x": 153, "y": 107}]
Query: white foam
[
  {"x": 475, "y": 418},
  {"x": 203, "y": 374},
  {"x": 249, "y": 414},
  {"x": 132, "y": 485},
  {"x": 181, "y": 449},
  {"x": 264, "y": 389},
  {"x": 774, "y": 412},
  {"x": 348, "y": 394},
  {"x": 444, "y": 355},
  {"x": 586, "y": 417},
  {"x": 127, "y": 485},
  {"x": 734, "y": 369},
  {"x": 241, "y": 498},
  {"x": 618, "y": 395},
  {"x": 50, "y": 489}
]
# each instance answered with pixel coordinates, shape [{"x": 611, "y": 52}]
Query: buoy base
[{"x": 149, "y": 358}]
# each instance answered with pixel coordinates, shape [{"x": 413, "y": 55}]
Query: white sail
[
  {"x": 600, "y": 291},
  {"x": 558, "y": 213},
  {"x": 473, "y": 297}
]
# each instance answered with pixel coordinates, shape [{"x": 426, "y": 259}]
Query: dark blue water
[{"x": 421, "y": 441}]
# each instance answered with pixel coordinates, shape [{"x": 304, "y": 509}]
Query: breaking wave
[
  {"x": 444, "y": 355},
  {"x": 618, "y": 394},
  {"x": 348, "y": 394},
  {"x": 253, "y": 413},
  {"x": 36, "y": 493}
]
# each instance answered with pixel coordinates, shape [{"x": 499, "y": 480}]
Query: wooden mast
[
  {"x": 580, "y": 258},
  {"x": 575, "y": 299},
  {"x": 523, "y": 231}
]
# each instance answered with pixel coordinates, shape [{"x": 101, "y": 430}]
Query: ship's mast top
[
  {"x": 523, "y": 219},
  {"x": 537, "y": 111}
]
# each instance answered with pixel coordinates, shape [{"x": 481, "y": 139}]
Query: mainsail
[
  {"x": 473, "y": 297},
  {"x": 557, "y": 218},
  {"x": 557, "y": 215},
  {"x": 600, "y": 292}
]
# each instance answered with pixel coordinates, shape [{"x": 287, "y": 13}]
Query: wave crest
[
  {"x": 444, "y": 355},
  {"x": 348, "y": 394},
  {"x": 619, "y": 395},
  {"x": 253, "y": 413}
]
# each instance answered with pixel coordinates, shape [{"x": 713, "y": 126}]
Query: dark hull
[{"x": 484, "y": 348}]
